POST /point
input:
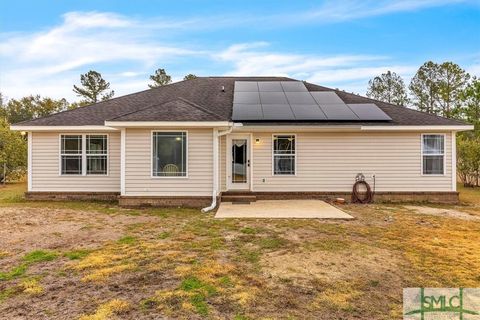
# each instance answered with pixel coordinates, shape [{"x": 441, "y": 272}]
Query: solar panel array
[{"x": 290, "y": 100}]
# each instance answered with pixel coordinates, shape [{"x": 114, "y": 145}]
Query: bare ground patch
[
  {"x": 443, "y": 212},
  {"x": 29, "y": 228}
]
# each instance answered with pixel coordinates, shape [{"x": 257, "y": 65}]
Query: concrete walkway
[{"x": 301, "y": 209}]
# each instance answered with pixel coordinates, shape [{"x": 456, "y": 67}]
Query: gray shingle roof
[{"x": 202, "y": 99}]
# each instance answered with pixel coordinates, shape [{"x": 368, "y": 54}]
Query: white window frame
[
  {"x": 294, "y": 155},
  {"x": 96, "y": 154},
  {"x": 83, "y": 154},
  {"x": 186, "y": 155},
  {"x": 444, "y": 155}
]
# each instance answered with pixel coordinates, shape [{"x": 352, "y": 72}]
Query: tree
[
  {"x": 436, "y": 88},
  {"x": 468, "y": 159},
  {"x": 470, "y": 101},
  {"x": 189, "y": 77},
  {"x": 452, "y": 82},
  {"x": 160, "y": 78},
  {"x": 13, "y": 150},
  {"x": 424, "y": 87},
  {"x": 388, "y": 87},
  {"x": 31, "y": 107},
  {"x": 94, "y": 88}
]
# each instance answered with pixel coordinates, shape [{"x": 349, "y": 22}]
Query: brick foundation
[
  {"x": 432, "y": 197},
  {"x": 186, "y": 202},
  {"x": 200, "y": 202},
  {"x": 62, "y": 196}
]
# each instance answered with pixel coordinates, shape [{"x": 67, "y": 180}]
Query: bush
[{"x": 468, "y": 160}]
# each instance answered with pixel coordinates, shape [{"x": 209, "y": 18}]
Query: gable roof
[{"x": 202, "y": 99}]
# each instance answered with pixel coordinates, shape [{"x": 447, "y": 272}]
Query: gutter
[{"x": 216, "y": 136}]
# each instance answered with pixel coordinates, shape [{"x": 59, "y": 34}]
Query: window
[
  {"x": 433, "y": 153},
  {"x": 97, "y": 154},
  {"x": 169, "y": 158},
  {"x": 71, "y": 154},
  {"x": 77, "y": 149},
  {"x": 284, "y": 154}
]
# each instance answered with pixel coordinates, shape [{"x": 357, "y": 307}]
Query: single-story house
[{"x": 192, "y": 142}]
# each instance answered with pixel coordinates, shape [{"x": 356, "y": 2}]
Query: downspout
[{"x": 216, "y": 136}]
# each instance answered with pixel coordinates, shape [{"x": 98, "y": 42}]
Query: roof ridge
[{"x": 193, "y": 104}]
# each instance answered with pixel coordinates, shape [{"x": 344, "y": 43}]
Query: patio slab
[{"x": 296, "y": 209}]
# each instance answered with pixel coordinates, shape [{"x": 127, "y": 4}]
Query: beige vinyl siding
[
  {"x": 138, "y": 166},
  {"x": 330, "y": 162},
  {"x": 46, "y": 166}
]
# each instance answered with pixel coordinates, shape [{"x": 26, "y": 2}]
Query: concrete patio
[{"x": 286, "y": 209}]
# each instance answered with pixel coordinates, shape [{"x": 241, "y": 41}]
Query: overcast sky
[{"x": 46, "y": 45}]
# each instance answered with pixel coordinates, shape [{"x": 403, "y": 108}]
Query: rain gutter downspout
[{"x": 216, "y": 136}]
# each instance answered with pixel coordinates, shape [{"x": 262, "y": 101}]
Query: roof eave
[
  {"x": 181, "y": 124},
  {"x": 31, "y": 128},
  {"x": 426, "y": 128}
]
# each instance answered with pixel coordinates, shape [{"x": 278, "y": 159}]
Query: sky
[{"x": 46, "y": 45}]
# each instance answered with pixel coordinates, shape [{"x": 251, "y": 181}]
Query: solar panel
[
  {"x": 273, "y": 98},
  {"x": 368, "y": 111},
  {"x": 293, "y": 86},
  {"x": 300, "y": 98},
  {"x": 277, "y": 112},
  {"x": 326, "y": 97},
  {"x": 338, "y": 112},
  {"x": 246, "y": 97},
  {"x": 247, "y": 112},
  {"x": 290, "y": 100},
  {"x": 307, "y": 112},
  {"x": 246, "y": 86},
  {"x": 270, "y": 86}
]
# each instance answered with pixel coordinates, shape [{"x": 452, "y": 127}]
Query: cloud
[
  {"x": 33, "y": 62},
  {"x": 338, "y": 11},
  {"x": 333, "y": 70}
]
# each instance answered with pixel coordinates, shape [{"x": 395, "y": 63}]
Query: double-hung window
[
  {"x": 71, "y": 154},
  {"x": 97, "y": 154},
  {"x": 433, "y": 154},
  {"x": 83, "y": 154},
  {"x": 284, "y": 154},
  {"x": 169, "y": 154}
]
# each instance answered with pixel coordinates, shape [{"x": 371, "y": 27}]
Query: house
[{"x": 189, "y": 143}]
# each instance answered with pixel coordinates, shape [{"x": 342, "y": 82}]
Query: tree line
[{"x": 443, "y": 89}]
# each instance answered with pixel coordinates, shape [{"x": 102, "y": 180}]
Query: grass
[
  {"x": 77, "y": 254},
  {"x": 27, "y": 260},
  {"x": 182, "y": 264},
  {"x": 128, "y": 240},
  {"x": 39, "y": 256}
]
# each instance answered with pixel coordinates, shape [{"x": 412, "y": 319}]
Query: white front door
[{"x": 238, "y": 162}]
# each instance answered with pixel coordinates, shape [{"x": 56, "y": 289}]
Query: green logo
[{"x": 438, "y": 303}]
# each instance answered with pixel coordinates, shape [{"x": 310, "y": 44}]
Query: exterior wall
[
  {"x": 45, "y": 175},
  {"x": 329, "y": 162},
  {"x": 138, "y": 166}
]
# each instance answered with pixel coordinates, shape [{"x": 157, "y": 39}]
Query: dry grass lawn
[{"x": 80, "y": 260}]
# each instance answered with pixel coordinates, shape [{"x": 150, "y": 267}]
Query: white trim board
[{"x": 29, "y": 161}]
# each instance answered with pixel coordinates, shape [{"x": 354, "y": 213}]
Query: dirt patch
[
  {"x": 25, "y": 229},
  {"x": 374, "y": 264},
  {"x": 441, "y": 212}
]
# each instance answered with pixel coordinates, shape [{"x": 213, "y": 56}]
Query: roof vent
[{"x": 223, "y": 88}]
